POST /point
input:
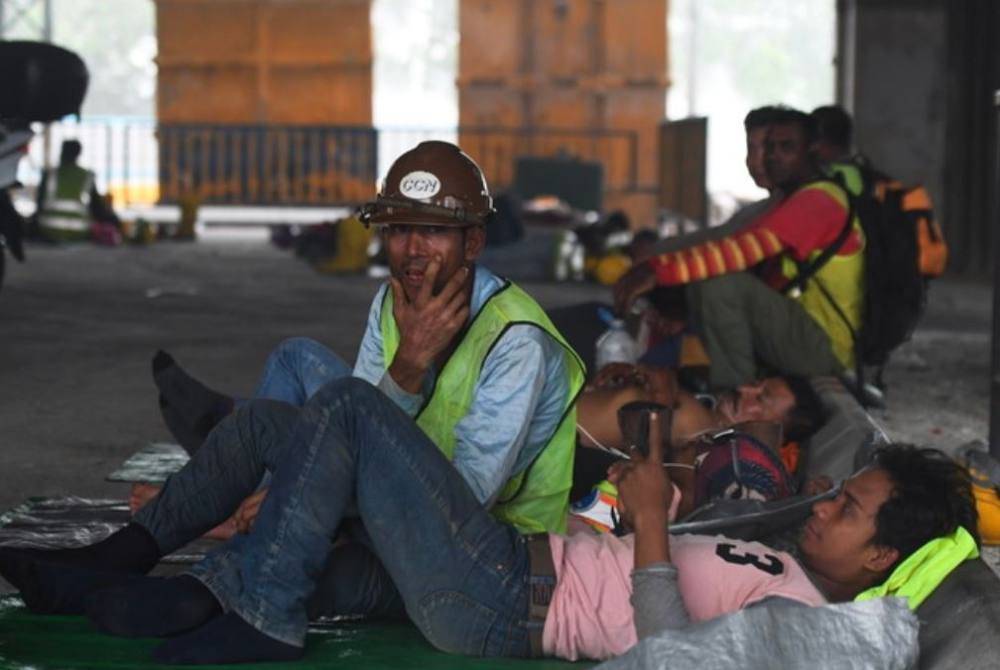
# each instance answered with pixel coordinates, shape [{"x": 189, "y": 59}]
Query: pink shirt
[{"x": 591, "y": 617}]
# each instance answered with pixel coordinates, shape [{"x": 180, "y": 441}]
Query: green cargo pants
[{"x": 750, "y": 330}]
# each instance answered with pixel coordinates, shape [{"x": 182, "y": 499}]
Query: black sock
[
  {"x": 225, "y": 639},
  {"x": 186, "y": 435},
  {"x": 131, "y": 549},
  {"x": 49, "y": 588},
  {"x": 153, "y": 607},
  {"x": 198, "y": 406}
]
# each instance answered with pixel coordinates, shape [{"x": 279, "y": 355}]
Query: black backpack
[{"x": 904, "y": 248}]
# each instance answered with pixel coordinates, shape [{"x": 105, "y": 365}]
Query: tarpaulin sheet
[
  {"x": 152, "y": 464},
  {"x": 53, "y": 523},
  {"x": 878, "y": 634},
  {"x": 32, "y": 642}
]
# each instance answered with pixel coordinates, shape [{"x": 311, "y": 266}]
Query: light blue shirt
[{"x": 517, "y": 403}]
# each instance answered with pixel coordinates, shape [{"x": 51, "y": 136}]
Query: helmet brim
[{"x": 385, "y": 210}]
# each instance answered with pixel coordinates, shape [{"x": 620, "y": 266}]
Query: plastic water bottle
[{"x": 616, "y": 345}]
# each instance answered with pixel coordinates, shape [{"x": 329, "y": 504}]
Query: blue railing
[
  {"x": 138, "y": 162},
  {"x": 267, "y": 165}
]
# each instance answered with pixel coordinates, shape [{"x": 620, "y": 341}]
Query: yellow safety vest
[
  {"x": 849, "y": 174},
  {"x": 843, "y": 277},
  {"x": 64, "y": 215},
  {"x": 536, "y": 499}
]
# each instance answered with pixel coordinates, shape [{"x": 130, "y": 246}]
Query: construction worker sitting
[{"x": 68, "y": 200}]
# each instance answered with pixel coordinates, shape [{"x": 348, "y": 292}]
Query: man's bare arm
[{"x": 644, "y": 496}]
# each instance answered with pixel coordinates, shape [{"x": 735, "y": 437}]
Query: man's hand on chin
[{"x": 427, "y": 324}]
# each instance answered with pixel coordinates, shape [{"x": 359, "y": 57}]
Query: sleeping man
[{"x": 786, "y": 402}]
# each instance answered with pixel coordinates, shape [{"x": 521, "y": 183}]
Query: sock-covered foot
[
  {"x": 197, "y": 405},
  {"x": 153, "y": 607},
  {"x": 48, "y": 588},
  {"x": 131, "y": 549},
  {"x": 225, "y": 639},
  {"x": 186, "y": 435}
]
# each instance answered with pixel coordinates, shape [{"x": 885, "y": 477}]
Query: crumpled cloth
[
  {"x": 878, "y": 634},
  {"x": 923, "y": 570}
]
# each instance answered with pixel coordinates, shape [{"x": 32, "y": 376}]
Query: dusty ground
[
  {"x": 938, "y": 383},
  {"x": 78, "y": 326}
]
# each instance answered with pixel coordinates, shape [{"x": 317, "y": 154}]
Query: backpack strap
[{"x": 808, "y": 270}]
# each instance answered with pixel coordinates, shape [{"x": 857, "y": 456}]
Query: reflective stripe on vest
[
  {"x": 65, "y": 206},
  {"x": 537, "y": 499},
  {"x": 843, "y": 277}
]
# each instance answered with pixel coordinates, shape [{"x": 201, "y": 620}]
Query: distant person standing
[{"x": 68, "y": 200}]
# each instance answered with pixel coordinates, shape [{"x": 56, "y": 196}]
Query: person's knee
[
  {"x": 292, "y": 347},
  {"x": 729, "y": 287},
  {"x": 256, "y": 407},
  {"x": 264, "y": 417},
  {"x": 726, "y": 299},
  {"x": 346, "y": 390}
]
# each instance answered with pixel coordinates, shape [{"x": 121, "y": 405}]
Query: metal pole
[
  {"x": 47, "y": 131},
  {"x": 693, "y": 59},
  {"x": 995, "y": 364}
]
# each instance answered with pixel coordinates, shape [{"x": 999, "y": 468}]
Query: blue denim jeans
[
  {"x": 239, "y": 452},
  {"x": 296, "y": 369},
  {"x": 461, "y": 575}
]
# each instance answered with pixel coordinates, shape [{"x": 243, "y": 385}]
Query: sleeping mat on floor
[{"x": 32, "y": 642}]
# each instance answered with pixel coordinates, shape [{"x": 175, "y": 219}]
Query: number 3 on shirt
[{"x": 770, "y": 564}]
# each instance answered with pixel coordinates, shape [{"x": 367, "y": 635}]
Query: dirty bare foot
[{"x": 141, "y": 494}]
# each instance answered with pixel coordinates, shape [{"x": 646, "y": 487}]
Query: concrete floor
[{"x": 79, "y": 324}]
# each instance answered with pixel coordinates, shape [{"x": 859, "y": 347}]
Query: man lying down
[
  {"x": 473, "y": 585},
  {"x": 783, "y": 408}
]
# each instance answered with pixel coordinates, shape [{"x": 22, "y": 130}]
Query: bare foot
[
  {"x": 224, "y": 530},
  {"x": 141, "y": 494}
]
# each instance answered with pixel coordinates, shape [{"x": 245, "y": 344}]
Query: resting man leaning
[
  {"x": 468, "y": 357},
  {"x": 896, "y": 527}
]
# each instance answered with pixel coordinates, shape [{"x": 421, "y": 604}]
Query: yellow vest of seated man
[
  {"x": 843, "y": 278},
  {"x": 537, "y": 499}
]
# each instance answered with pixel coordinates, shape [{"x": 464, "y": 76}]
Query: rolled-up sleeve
[
  {"x": 656, "y": 600},
  {"x": 518, "y": 402}
]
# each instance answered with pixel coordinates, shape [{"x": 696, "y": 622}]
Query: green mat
[{"x": 32, "y": 642}]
